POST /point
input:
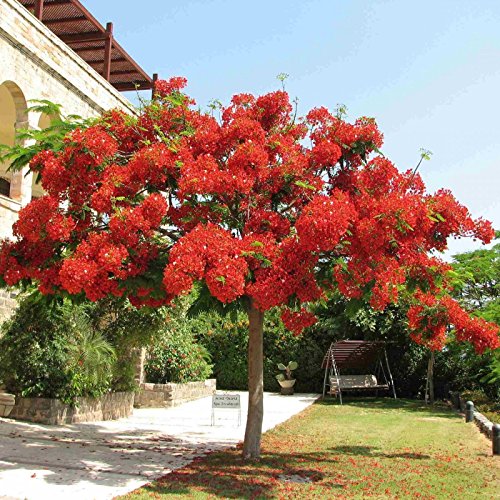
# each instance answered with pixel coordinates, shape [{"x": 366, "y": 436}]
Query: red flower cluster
[
  {"x": 43, "y": 219},
  {"x": 430, "y": 318},
  {"x": 209, "y": 253},
  {"x": 296, "y": 322},
  {"x": 174, "y": 196},
  {"x": 164, "y": 88}
]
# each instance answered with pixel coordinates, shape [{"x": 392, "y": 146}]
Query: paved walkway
[{"x": 101, "y": 460}]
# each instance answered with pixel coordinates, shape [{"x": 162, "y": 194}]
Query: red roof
[{"x": 80, "y": 30}]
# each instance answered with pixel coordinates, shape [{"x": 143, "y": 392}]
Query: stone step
[
  {"x": 7, "y": 402},
  {"x": 6, "y": 398}
]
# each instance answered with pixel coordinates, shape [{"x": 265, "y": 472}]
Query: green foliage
[
  {"x": 128, "y": 329},
  {"x": 30, "y": 142},
  {"x": 225, "y": 336},
  {"x": 176, "y": 357},
  {"x": 477, "y": 288},
  {"x": 90, "y": 356},
  {"x": 53, "y": 352},
  {"x": 226, "y": 339},
  {"x": 56, "y": 348},
  {"x": 288, "y": 369},
  {"x": 477, "y": 283}
]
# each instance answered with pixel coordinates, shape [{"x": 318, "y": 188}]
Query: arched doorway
[{"x": 13, "y": 115}]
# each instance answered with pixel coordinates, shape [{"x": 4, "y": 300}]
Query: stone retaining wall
[
  {"x": 485, "y": 426},
  {"x": 168, "y": 395},
  {"x": 52, "y": 411}
]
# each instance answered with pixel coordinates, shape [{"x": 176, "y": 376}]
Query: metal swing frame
[{"x": 357, "y": 350}]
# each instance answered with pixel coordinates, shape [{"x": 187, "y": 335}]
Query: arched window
[{"x": 4, "y": 187}]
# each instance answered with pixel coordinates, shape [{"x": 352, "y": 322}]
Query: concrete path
[{"x": 101, "y": 460}]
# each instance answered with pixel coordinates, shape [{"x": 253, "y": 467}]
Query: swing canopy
[
  {"x": 367, "y": 357},
  {"x": 354, "y": 354}
]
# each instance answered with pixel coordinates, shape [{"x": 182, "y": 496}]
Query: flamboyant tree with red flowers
[{"x": 260, "y": 208}]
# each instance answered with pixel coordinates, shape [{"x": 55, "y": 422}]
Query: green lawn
[{"x": 366, "y": 448}]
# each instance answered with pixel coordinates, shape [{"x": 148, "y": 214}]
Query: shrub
[
  {"x": 176, "y": 357},
  {"x": 55, "y": 348},
  {"x": 226, "y": 339},
  {"x": 128, "y": 329},
  {"x": 49, "y": 350}
]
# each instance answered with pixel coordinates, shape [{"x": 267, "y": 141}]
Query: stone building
[{"x": 54, "y": 50}]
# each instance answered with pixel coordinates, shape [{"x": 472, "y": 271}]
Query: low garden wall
[
  {"x": 168, "y": 395},
  {"x": 485, "y": 426},
  {"x": 52, "y": 411}
]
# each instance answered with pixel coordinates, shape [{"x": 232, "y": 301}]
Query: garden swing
[{"x": 360, "y": 356}]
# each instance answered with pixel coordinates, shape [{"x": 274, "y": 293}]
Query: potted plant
[{"x": 286, "y": 379}]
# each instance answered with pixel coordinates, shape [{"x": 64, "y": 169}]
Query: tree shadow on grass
[
  {"x": 388, "y": 404},
  {"x": 370, "y": 451},
  {"x": 227, "y": 475}
]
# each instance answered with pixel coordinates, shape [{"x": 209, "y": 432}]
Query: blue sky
[{"x": 429, "y": 72}]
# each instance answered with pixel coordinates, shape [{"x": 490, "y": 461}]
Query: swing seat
[
  {"x": 362, "y": 356},
  {"x": 355, "y": 383}
]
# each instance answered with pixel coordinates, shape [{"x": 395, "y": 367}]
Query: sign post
[{"x": 226, "y": 402}]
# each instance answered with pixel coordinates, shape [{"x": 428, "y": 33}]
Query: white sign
[{"x": 226, "y": 401}]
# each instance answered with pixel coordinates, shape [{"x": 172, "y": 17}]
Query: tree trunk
[
  {"x": 253, "y": 431},
  {"x": 429, "y": 386}
]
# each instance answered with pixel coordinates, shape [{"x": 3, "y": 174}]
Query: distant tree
[
  {"x": 260, "y": 208},
  {"x": 477, "y": 282},
  {"x": 477, "y": 288}
]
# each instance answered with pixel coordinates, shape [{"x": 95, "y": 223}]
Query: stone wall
[
  {"x": 7, "y": 402},
  {"x": 9, "y": 210},
  {"x": 168, "y": 395},
  {"x": 485, "y": 426},
  {"x": 52, "y": 411},
  {"x": 8, "y": 304}
]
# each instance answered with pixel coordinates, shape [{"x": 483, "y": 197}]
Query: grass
[{"x": 366, "y": 448}]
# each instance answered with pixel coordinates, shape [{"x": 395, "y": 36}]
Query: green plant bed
[
  {"x": 54, "y": 353},
  {"x": 57, "y": 349},
  {"x": 176, "y": 357}
]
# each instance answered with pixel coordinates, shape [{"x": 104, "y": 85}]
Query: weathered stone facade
[
  {"x": 52, "y": 411},
  {"x": 168, "y": 395},
  {"x": 7, "y": 304}
]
